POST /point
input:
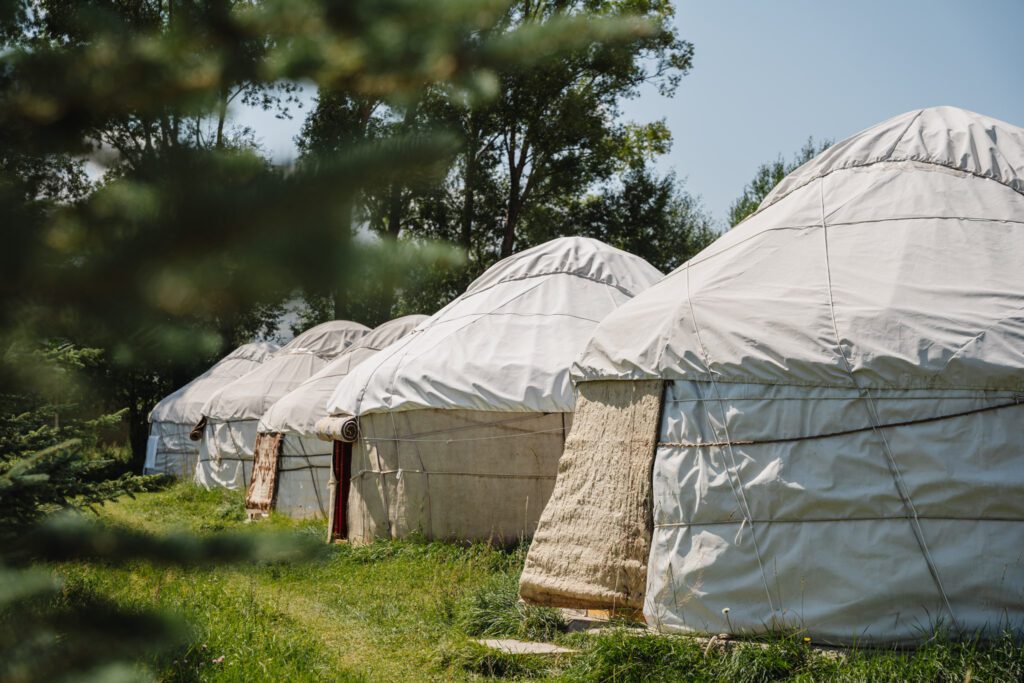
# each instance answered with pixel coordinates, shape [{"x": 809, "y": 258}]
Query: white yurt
[
  {"x": 461, "y": 424},
  {"x": 227, "y": 429},
  {"x": 169, "y": 449},
  {"x": 292, "y": 469},
  {"x": 817, "y": 421}
]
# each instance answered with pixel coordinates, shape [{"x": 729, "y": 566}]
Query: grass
[
  {"x": 494, "y": 611},
  {"x": 469, "y": 658},
  {"x": 622, "y": 656},
  {"x": 411, "y": 610}
]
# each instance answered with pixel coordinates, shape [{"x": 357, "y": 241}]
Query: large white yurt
[
  {"x": 817, "y": 421},
  {"x": 292, "y": 469},
  {"x": 227, "y": 430},
  {"x": 169, "y": 449},
  {"x": 461, "y": 424}
]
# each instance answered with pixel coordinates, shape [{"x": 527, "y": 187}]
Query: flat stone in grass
[{"x": 521, "y": 647}]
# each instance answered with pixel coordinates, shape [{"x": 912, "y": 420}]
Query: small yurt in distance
[
  {"x": 292, "y": 469},
  {"x": 816, "y": 421},
  {"x": 227, "y": 429},
  {"x": 462, "y": 423},
  {"x": 169, "y": 449}
]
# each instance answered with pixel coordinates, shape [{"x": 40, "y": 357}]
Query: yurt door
[{"x": 342, "y": 464}]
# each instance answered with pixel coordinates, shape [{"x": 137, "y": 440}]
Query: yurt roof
[
  {"x": 184, "y": 406},
  {"x": 249, "y": 396},
  {"x": 299, "y": 410},
  {"x": 327, "y": 339},
  {"x": 944, "y": 136},
  {"x": 506, "y": 344},
  {"x": 891, "y": 260}
]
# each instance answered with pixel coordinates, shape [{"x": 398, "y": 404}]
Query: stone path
[{"x": 522, "y": 647}]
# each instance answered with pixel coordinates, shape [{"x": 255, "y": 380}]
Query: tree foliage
[
  {"x": 52, "y": 439},
  {"x": 768, "y": 176},
  {"x": 556, "y": 128},
  {"x": 654, "y": 218},
  {"x": 551, "y": 135},
  {"x": 142, "y": 232}
]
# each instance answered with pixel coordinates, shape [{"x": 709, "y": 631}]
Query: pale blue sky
[{"x": 767, "y": 74}]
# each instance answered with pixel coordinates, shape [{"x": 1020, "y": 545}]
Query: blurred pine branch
[{"x": 141, "y": 229}]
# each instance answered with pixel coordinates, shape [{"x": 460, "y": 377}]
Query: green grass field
[{"x": 409, "y": 611}]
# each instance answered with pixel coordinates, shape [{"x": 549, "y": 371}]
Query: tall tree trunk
[
  {"x": 340, "y": 303},
  {"x": 469, "y": 181},
  {"x": 516, "y": 192},
  {"x": 165, "y": 131},
  {"x": 396, "y": 207},
  {"x": 341, "y": 298},
  {"x": 138, "y": 419},
  {"x": 508, "y": 239},
  {"x": 138, "y": 436},
  {"x": 512, "y": 210},
  {"x": 395, "y": 211},
  {"x": 222, "y": 114}
]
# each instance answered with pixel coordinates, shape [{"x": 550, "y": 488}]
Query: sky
[{"x": 769, "y": 73}]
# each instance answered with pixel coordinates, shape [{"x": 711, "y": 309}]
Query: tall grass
[
  {"x": 495, "y": 611},
  {"x": 234, "y": 635},
  {"x": 623, "y": 656},
  {"x": 410, "y": 611},
  {"x": 468, "y": 657}
]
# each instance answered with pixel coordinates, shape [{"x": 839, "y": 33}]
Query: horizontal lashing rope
[
  {"x": 522, "y": 417},
  {"x": 818, "y": 520},
  {"x": 851, "y": 397},
  {"x": 477, "y": 438},
  {"x": 845, "y": 432},
  {"x": 304, "y": 468},
  {"x": 364, "y": 473}
]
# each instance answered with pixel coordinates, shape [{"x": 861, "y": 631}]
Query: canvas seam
[
  {"x": 887, "y": 158},
  {"x": 739, "y": 495},
  {"x": 897, "y": 475}
]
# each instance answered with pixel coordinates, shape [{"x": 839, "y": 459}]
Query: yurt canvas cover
[
  {"x": 231, "y": 414},
  {"x": 461, "y": 424},
  {"x": 293, "y": 466},
  {"x": 836, "y": 437},
  {"x": 169, "y": 450}
]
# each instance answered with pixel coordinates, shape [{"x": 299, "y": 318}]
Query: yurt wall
[
  {"x": 839, "y": 446},
  {"x": 231, "y": 416},
  {"x": 449, "y": 474},
  {"x": 170, "y": 450},
  {"x": 293, "y": 467},
  {"x": 458, "y": 429}
]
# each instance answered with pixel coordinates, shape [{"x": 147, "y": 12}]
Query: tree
[
  {"x": 768, "y": 176},
  {"x": 342, "y": 119},
  {"x": 550, "y": 134},
  {"x": 131, "y": 136},
  {"x": 46, "y": 406},
  {"x": 553, "y": 131},
  {"x": 652, "y": 217},
  {"x": 180, "y": 237},
  {"x": 131, "y": 144},
  {"x": 558, "y": 128}
]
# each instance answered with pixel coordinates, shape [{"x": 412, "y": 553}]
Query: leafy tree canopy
[
  {"x": 768, "y": 176},
  {"x": 189, "y": 236},
  {"x": 650, "y": 216},
  {"x": 551, "y": 134}
]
